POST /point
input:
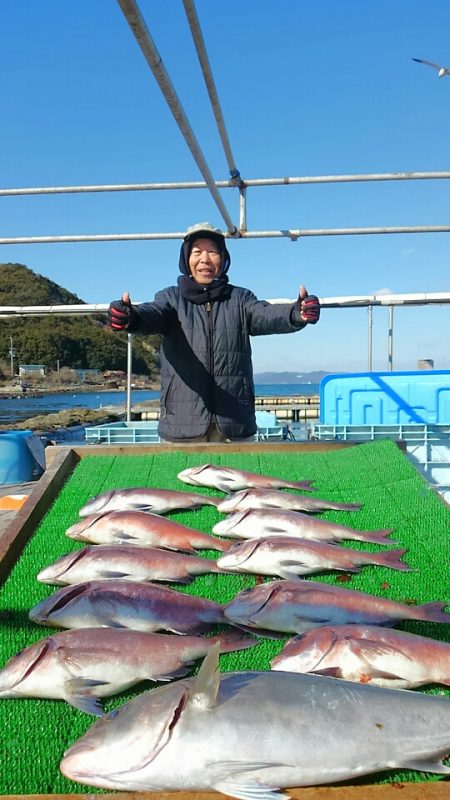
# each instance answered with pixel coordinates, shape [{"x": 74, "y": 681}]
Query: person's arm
[
  {"x": 153, "y": 317},
  {"x": 266, "y": 318}
]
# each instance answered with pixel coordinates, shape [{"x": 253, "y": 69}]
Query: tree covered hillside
[{"x": 75, "y": 342}]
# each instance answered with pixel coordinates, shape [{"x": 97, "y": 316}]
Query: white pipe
[
  {"x": 229, "y": 184},
  {"x": 142, "y": 35},
  {"x": 292, "y": 234},
  {"x": 356, "y": 301},
  {"x": 199, "y": 42}
]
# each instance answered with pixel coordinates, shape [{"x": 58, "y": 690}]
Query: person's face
[{"x": 205, "y": 261}]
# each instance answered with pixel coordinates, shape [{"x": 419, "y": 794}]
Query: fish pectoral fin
[
  {"x": 368, "y": 650},
  {"x": 244, "y": 787},
  {"x": 87, "y": 703},
  {"x": 79, "y": 695},
  {"x": 111, "y": 573}
]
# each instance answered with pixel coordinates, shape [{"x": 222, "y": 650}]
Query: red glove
[
  {"x": 310, "y": 309},
  {"x": 121, "y": 314}
]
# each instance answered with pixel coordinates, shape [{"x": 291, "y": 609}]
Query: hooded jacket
[{"x": 206, "y": 365}]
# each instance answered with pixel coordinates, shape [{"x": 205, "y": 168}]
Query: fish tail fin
[
  {"x": 379, "y": 537},
  {"x": 219, "y": 544},
  {"x": 432, "y": 612},
  {"x": 392, "y": 559}
]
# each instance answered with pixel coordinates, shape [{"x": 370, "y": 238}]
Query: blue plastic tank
[
  {"x": 386, "y": 398},
  {"x": 20, "y": 457}
]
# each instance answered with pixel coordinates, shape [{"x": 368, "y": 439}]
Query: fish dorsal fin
[{"x": 206, "y": 686}]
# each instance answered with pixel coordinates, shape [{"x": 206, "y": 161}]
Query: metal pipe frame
[
  {"x": 142, "y": 35},
  {"x": 197, "y": 36},
  {"x": 229, "y": 184},
  {"x": 293, "y": 234},
  {"x": 357, "y": 301}
]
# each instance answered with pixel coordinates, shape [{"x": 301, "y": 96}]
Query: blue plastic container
[
  {"x": 386, "y": 398},
  {"x": 18, "y": 463}
]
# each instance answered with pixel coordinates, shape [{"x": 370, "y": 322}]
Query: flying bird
[{"x": 440, "y": 69}]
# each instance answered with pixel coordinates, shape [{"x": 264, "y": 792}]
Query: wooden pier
[{"x": 289, "y": 408}]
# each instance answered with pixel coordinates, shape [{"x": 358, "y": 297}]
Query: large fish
[
  {"x": 100, "y": 562},
  {"x": 127, "y": 604},
  {"x": 274, "y": 498},
  {"x": 249, "y": 734},
  {"x": 288, "y": 557},
  {"x": 81, "y": 666},
  {"x": 257, "y": 523},
  {"x": 143, "y": 529},
  {"x": 160, "y": 501},
  {"x": 297, "y": 606},
  {"x": 368, "y": 654},
  {"x": 231, "y": 480}
]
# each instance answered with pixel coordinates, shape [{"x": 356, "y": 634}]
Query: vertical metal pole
[
  {"x": 12, "y": 353},
  {"x": 129, "y": 369},
  {"x": 242, "y": 208},
  {"x": 369, "y": 337},
  {"x": 390, "y": 337}
]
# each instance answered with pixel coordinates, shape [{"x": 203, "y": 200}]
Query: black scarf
[{"x": 219, "y": 289}]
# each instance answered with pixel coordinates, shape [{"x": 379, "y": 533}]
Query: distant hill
[
  {"x": 289, "y": 377},
  {"x": 82, "y": 342}
]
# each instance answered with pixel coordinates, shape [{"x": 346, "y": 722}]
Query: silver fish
[
  {"x": 368, "y": 654},
  {"x": 127, "y": 604},
  {"x": 274, "y": 498},
  {"x": 159, "y": 501},
  {"x": 81, "y": 666},
  {"x": 287, "y": 557},
  {"x": 257, "y": 523},
  {"x": 231, "y": 480},
  {"x": 249, "y": 734},
  {"x": 100, "y": 562},
  {"x": 297, "y": 606},
  {"x": 143, "y": 529}
]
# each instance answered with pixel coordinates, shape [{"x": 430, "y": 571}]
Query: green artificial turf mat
[{"x": 35, "y": 733}]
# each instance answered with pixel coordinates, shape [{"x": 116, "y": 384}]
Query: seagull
[{"x": 441, "y": 70}]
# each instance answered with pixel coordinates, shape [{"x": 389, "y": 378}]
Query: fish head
[
  {"x": 97, "y": 504},
  {"x": 193, "y": 475},
  {"x": 305, "y": 652},
  {"x": 233, "y": 502},
  {"x": 249, "y": 602},
  {"x": 51, "y": 609},
  {"x": 238, "y": 554},
  {"x": 20, "y": 666},
  {"x": 120, "y": 750},
  {"x": 230, "y": 523},
  {"x": 55, "y": 573},
  {"x": 80, "y": 530}
]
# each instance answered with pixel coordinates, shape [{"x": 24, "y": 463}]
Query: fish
[
  {"x": 297, "y": 606},
  {"x": 288, "y": 557},
  {"x": 261, "y": 522},
  {"x": 99, "y": 562},
  {"x": 231, "y": 480},
  {"x": 274, "y": 498},
  {"x": 251, "y": 734},
  {"x": 143, "y": 529},
  {"x": 82, "y": 666},
  {"x": 368, "y": 654},
  {"x": 140, "y": 606},
  {"x": 160, "y": 501}
]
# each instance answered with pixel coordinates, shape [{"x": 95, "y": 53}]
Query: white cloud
[{"x": 383, "y": 291}]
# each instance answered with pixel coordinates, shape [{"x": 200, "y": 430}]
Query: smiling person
[{"x": 207, "y": 390}]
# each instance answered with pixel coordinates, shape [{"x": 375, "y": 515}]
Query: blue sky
[{"x": 305, "y": 88}]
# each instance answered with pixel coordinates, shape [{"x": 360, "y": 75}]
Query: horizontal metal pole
[
  {"x": 229, "y": 184},
  {"x": 356, "y": 301},
  {"x": 293, "y": 234}
]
